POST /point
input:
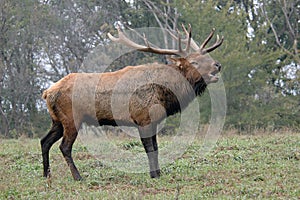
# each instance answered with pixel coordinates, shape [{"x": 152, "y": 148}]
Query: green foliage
[
  {"x": 251, "y": 72},
  {"x": 41, "y": 41}
]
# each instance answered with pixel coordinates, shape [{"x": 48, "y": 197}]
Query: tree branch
[
  {"x": 287, "y": 20},
  {"x": 294, "y": 54},
  {"x": 164, "y": 14}
]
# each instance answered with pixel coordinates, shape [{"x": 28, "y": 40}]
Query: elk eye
[{"x": 194, "y": 63}]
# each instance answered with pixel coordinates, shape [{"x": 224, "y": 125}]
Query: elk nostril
[{"x": 219, "y": 66}]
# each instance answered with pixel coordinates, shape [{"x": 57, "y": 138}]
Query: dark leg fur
[
  {"x": 148, "y": 137},
  {"x": 66, "y": 149},
  {"x": 53, "y": 135}
]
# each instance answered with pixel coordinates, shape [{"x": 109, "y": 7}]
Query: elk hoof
[
  {"x": 47, "y": 173},
  {"x": 155, "y": 174},
  {"x": 78, "y": 178}
]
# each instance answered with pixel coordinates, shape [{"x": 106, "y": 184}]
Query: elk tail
[{"x": 44, "y": 96}]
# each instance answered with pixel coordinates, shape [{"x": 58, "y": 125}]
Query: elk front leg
[{"x": 148, "y": 137}]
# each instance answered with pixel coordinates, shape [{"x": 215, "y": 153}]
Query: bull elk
[{"x": 69, "y": 107}]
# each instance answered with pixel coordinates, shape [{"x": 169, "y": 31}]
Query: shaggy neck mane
[{"x": 200, "y": 87}]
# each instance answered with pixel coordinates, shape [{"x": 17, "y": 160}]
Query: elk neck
[{"x": 190, "y": 73}]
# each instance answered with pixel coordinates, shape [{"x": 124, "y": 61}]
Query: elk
[{"x": 91, "y": 100}]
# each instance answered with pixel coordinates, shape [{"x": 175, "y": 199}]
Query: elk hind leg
[
  {"x": 69, "y": 138},
  {"x": 55, "y": 133}
]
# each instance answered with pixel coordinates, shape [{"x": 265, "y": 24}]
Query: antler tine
[
  {"x": 179, "y": 40},
  {"x": 112, "y": 38},
  {"x": 216, "y": 45},
  {"x": 207, "y": 40},
  {"x": 189, "y": 40},
  {"x": 124, "y": 40},
  {"x": 188, "y": 36}
]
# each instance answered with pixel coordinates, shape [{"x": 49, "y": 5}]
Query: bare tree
[
  {"x": 166, "y": 17},
  {"x": 3, "y": 119},
  {"x": 42, "y": 41},
  {"x": 291, "y": 13}
]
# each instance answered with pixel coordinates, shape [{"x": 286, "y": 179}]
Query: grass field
[{"x": 265, "y": 166}]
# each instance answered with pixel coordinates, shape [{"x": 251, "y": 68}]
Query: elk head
[{"x": 199, "y": 59}]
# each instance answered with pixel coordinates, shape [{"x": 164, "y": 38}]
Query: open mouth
[
  {"x": 213, "y": 77},
  {"x": 214, "y": 72}
]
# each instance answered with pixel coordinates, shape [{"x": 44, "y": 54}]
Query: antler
[
  {"x": 213, "y": 47},
  {"x": 191, "y": 43},
  {"x": 147, "y": 48},
  {"x": 188, "y": 38}
]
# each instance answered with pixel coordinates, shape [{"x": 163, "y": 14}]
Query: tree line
[{"x": 42, "y": 41}]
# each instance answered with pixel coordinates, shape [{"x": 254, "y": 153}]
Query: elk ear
[
  {"x": 176, "y": 61},
  {"x": 179, "y": 62}
]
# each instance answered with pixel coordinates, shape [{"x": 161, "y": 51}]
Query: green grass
[{"x": 239, "y": 167}]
